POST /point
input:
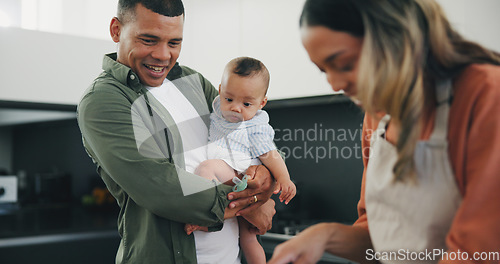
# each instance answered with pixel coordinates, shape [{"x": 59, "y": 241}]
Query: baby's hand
[
  {"x": 288, "y": 190},
  {"x": 190, "y": 228}
]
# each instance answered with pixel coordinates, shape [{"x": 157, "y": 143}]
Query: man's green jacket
[{"x": 137, "y": 148}]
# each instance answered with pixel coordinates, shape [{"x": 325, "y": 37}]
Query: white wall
[
  {"x": 215, "y": 32},
  {"x": 47, "y": 67},
  {"x": 477, "y": 20},
  {"x": 218, "y": 30},
  {"x": 88, "y": 18}
]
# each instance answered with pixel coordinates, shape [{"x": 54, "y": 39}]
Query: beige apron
[{"x": 409, "y": 218}]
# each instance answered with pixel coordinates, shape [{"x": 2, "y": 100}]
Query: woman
[{"x": 431, "y": 132}]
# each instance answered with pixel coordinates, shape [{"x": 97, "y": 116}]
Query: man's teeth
[{"x": 154, "y": 68}]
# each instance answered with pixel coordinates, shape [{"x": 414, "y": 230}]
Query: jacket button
[{"x": 132, "y": 77}]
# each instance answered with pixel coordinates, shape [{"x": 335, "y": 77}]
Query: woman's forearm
[
  {"x": 350, "y": 242},
  {"x": 345, "y": 241}
]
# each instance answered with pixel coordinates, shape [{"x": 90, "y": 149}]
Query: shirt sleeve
[
  {"x": 368, "y": 128},
  {"x": 261, "y": 140},
  {"x": 105, "y": 120},
  {"x": 475, "y": 152}
]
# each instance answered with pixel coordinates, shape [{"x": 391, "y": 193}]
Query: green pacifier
[{"x": 240, "y": 185}]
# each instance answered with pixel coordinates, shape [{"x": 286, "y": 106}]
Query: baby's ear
[{"x": 264, "y": 102}]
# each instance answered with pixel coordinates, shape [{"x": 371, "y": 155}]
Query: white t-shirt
[{"x": 211, "y": 247}]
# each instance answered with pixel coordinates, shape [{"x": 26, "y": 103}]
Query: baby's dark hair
[
  {"x": 170, "y": 8},
  {"x": 249, "y": 67}
]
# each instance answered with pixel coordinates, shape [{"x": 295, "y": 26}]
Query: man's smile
[{"x": 156, "y": 69}]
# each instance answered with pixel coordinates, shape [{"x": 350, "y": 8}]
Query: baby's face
[{"x": 241, "y": 97}]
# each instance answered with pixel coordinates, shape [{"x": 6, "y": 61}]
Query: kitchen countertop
[
  {"x": 59, "y": 223},
  {"x": 58, "y": 233},
  {"x": 55, "y": 219}
]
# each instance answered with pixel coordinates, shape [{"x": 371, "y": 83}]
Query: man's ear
[
  {"x": 264, "y": 102},
  {"x": 115, "y": 29},
  {"x": 219, "y": 87}
]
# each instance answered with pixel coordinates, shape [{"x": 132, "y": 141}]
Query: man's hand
[
  {"x": 262, "y": 218},
  {"x": 260, "y": 188}
]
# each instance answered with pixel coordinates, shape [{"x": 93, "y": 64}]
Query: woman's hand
[
  {"x": 350, "y": 242},
  {"x": 307, "y": 247}
]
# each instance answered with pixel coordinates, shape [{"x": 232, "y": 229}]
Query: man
[{"x": 143, "y": 122}]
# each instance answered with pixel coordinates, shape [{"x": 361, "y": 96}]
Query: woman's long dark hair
[{"x": 406, "y": 43}]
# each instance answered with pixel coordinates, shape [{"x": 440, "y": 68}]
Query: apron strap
[
  {"x": 383, "y": 122},
  {"x": 380, "y": 128},
  {"x": 440, "y": 131},
  {"x": 443, "y": 96}
]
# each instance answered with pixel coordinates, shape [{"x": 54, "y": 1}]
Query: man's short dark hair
[
  {"x": 246, "y": 66},
  {"x": 170, "y": 8}
]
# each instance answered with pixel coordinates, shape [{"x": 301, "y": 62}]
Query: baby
[{"x": 240, "y": 136}]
